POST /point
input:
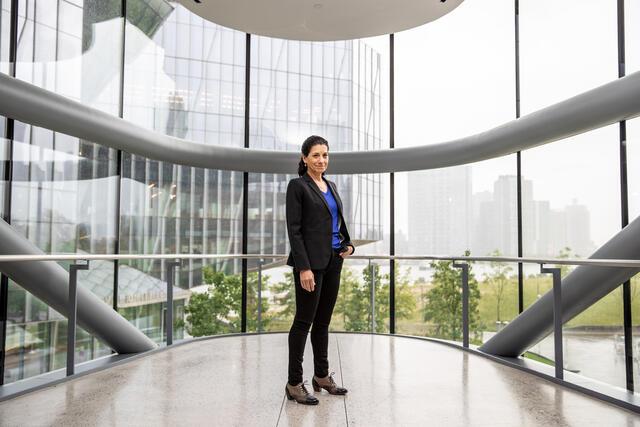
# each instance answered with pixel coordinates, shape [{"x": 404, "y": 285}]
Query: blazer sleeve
[
  {"x": 345, "y": 234},
  {"x": 294, "y": 225}
]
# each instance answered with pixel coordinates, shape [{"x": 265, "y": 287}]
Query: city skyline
[{"x": 452, "y": 217}]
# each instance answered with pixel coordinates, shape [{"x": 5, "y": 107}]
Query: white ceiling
[{"x": 321, "y": 20}]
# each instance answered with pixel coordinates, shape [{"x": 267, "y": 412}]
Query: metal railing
[{"x": 81, "y": 262}]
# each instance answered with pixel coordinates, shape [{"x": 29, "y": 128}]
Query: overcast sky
[{"x": 455, "y": 77}]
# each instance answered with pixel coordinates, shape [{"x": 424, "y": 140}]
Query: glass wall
[
  {"x": 575, "y": 183},
  {"x": 5, "y": 26},
  {"x": 455, "y": 79},
  {"x": 298, "y": 89},
  {"x": 184, "y": 77},
  {"x": 4, "y": 158},
  {"x": 5, "y": 10},
  {"x": 632, "y": 57},
  {"x": 63, "y": 188}
]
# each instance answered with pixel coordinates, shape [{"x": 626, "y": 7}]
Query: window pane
[
  {"x": 5, "y": 26},
  {"x": 64, "y": 190},
  {"x": 184, "y": 78},
  {"x": 299, "y": 89},
  {"x": 574, "y": 207},
  {"x": 449, "y": 85},
  {"x": 632, "y": 35}
]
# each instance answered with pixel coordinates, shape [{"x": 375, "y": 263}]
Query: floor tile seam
[
  {"x": 344, "y": 398},
  {"x": 281, "y": 409}
]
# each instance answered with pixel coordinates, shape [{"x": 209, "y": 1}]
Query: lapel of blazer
[
  {"x": 335, "y": 196},
  {"x": 315, "y": 188}
]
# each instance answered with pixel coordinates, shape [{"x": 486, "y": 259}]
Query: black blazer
[{"x": 309, "y": 224}]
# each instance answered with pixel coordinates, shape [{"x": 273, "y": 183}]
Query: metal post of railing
[
  {"x": 72, "y": 315},
  {"x": 465, "y": 301},
  {"x": 372, "y": 295},
  {"x": 170, "y": 266},
  {"x": 557, "y": 318},
  {"x": 260, "y": 295}
]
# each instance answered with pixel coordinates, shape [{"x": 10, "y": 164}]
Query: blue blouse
[{"x": 335, "y": 215}]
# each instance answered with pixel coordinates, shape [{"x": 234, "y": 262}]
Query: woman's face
[{"x": 318, "y": 159}]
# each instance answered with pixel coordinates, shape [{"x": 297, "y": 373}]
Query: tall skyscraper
[{"x": 439, "y": 211}]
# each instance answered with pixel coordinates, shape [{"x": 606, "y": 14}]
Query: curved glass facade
[{"x": 156, "y": 64}]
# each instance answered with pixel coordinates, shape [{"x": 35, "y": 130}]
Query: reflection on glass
[
  {"x": 5, "y": 26},
  {"x": 4, "y": 156},
  {"x": 63, "y": 202},
  {"x": 330, "y": 89},
  {"x": 63, "y": 196},
  {"x": 73, "y": 49},
  {"x": 142, "y": 300},
  {"x": 37, "y": 334},
  {"x": 184, "y": 77}
]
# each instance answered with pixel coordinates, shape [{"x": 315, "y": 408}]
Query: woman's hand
[
  {"x": 347, "y": 253},
  {"x": 307, "y": 280}
]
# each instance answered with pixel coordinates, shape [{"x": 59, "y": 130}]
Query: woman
[{"x": 319, "y": 243}]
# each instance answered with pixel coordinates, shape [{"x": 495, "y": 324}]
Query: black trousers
[{"x": 314, "y": 308}]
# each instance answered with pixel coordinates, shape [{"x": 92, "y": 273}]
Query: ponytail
[{"x": 302, "y": 168}]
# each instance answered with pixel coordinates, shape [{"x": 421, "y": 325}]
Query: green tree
[
  {"x": 284, "y": 296},
  {"x": 217, "y": 311},
  {"x": 405, "y": 300},
  {"x": 252, "y": 302},
  {"x": 498, "y": 279},
  {"x": 565, "y": 253},
  {"x": 354, "y": 303},
  {"x": 444, "y": 301},
  {"x": 348, "y": 282}
]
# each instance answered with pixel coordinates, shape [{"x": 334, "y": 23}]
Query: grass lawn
[{"x": 606, "y": 312}]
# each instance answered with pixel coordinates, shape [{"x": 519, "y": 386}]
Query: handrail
[
  {"x": 525, "y": 260},
  {"x": 81, "y": 262}
]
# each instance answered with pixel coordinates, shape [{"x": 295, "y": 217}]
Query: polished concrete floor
[{"x": 239, "y": 381}]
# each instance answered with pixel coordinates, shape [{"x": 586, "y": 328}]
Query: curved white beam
[
  {"x": 604, "y": 105},
  {"x": 48, "y": 281},
  {"x": 321, "y": 20}
]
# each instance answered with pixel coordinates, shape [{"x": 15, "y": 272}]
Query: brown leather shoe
[
  {"x": 300, "y": 394},
  {"x": 328, "y": 384}
]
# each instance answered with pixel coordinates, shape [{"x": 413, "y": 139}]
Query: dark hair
[{"x": 306, "y": 149}]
